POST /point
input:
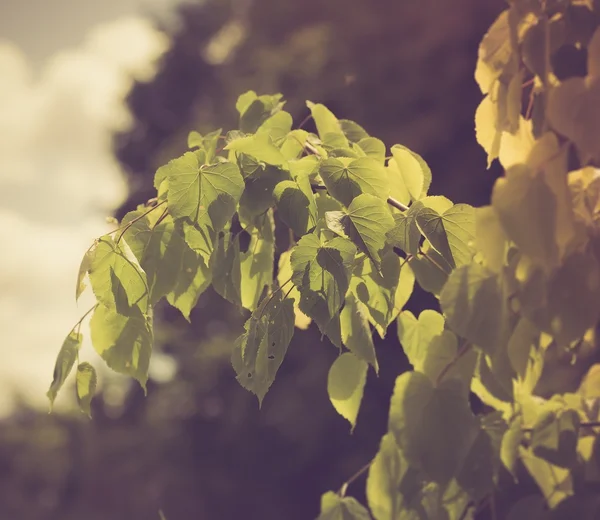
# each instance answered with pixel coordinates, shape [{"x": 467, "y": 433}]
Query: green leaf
[
  {"x": 353, "y": 131},
  {"x": 430, "y": 269},
  {"x": 450, "y": 232},
  {"x": 406, "y": 234},
  {"x": 373, "y": 148},
  {"x": 414, "y": 170},
  {"x": 398, "y": 189},
  {"x": 434, "y": 427},
  {"x": 278, "y": 126},
  {"x": 254, "y": 110},
  {"x": 194, "y": 140},
  {"x": 383, "y": 292},
  {"x": 527, "y": 208},
  {"x": 531, "y": 507},
  {"x": 258, "y": 193},
  {"x": 356, "y": 332},
  {"x": 509, "y": 448},
  {"x": 556, "y": 483},
  {"x": 117, "y": 279},
  {"x": 203, "y": 195},
  {"x": 326, "y": 122},
  {"x": 305, "y": 167},
  {"x": 554, "y": 437},
  {"x": 64, "y": 363},
  {"x": 226, "y": 268},
  {"x": 160, "y": 248},
  {"x": 321, "y": 272},
  {"x": 335, "y": 507},
  {"x": 124, "y": 342},
  {"x": 385, "y": 490},
  {"x": 346, "y": 179},
  {"x": 261, "y": 147},
  {"x": 259, "y": 352},
  {"x": 192, "y": 280},
  {"x": 84, "y": 267},
  {"x": 345, "y": 385},
  {"x": 256, "y": 264},
  {"x": 296, "y": 205},
  {"x": 490, "y": 239},
  {"x": 284, "y": 277},
  {"x": 415, "y": 335},
  {"x": 366, "y": 224},
  {"x": 86, "y": 386},
  {"x": 473, "y": 303}
]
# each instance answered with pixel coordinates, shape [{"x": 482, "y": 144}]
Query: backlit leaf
[
  {"x": 261, "y": 147},
  {"x": 345, "y": 385},
  {"x": 284, "y": 276},
  {"x": 335, "y": 507},
  {"x": 86, "y": 386},
  {"x": 259, "y": 352},
  {"x": 346, "y": 179},
  {"x": 124, "y": 342},
  {"x": 64, "y": 363},
  {"x": 325, "y": 121},
  {"x": 226, "y": 268},
  {"x": 321, "y": 272},
  {"x": 414, "y": 170},
  {"x": 406, "y": 234}
]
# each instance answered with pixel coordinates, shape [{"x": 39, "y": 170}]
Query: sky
[{"x": 65, "y": 68}]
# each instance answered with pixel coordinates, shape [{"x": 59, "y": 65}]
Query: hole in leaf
[
  {"x": 272, "y": 356},
  {"x": 249, "y": 375}
]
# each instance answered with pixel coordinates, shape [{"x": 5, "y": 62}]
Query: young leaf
[
  {"x": 203, "y": 195},
  {"x": 64, "y": 363},
  {"x": 366, "y": 224},
  {"x": 296, "y": 205},
  {"x": 117, "y": 279},
  {"x": 261, "y": 147},
  {"x": 356, "y": 332},
  {"x": 434, "y": 427},
  {"x": 284, "y": 276},
  {"x": 86, "y": 386},
  {"x": 384, "y": 292},
  {"x": 450, "y": 232},
  {"x": 346, "y": 179},
  {"x": 256, "y": 264},
  {"x": 335, "y": 507},
  {"x": 414, "y": 170},
  {"x": 278, "y": 126},
  {"x": 124, "y": 342},
  {"x": 193, "y": 279},
  {"x": 226, "y": 268},
  {"x": 321, "y": 272},
  {"x": 406, "y": 234},
  {"x": 373, "y": 148},
  {"x": 475, "y": 309},
  {"x": 258, "y": 354},
  {"x": 254, "y": 110},
  {"x": 325, "y": 121},
  {"x": 345, "y": 385}
]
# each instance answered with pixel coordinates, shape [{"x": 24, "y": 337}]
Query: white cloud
[{"x": 58, "y": 182}]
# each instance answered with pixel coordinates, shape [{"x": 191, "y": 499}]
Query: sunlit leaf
[
  {"x": 335, "y": 507},
  {"x": 296, "y": 204},
  {"x": 85, "y": 386},
  {"x": 261, "y": 147},
  {"x": 284, "y": 277},
  {"x": 414, "y": 170},
  {"x": 345, "y": 385}
]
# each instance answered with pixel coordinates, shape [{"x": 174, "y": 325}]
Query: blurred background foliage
[{"x": 197, "y": 446}]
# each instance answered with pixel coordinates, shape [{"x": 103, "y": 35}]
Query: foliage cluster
[{"x": 518, "y": 281}]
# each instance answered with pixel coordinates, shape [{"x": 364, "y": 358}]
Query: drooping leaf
[
  {"x": 259, "y": 352},
  {"x": 356, "y": 332},
  {"x": 383, "y": 292},
  {"x": 160, "y": 248},
  {"x": 261, "y": 147},
  {"x": 86, "y": 386},
  {"x": 366, "y": 224},
  {"x": 450, "y": 232},
  {"x": 346, "y": 179},
  {"x": 64, "y": 363},
  {"x": 473, "y": 304},
  {"x": 256, "y": 264},
  {"x": 226, "y": 268},
  {"x": 434, "y": 427},
  {"x": 321, "y": 272},
  {"x": 284, "y": 277},
  {"x": 511, "y": 441},
  {"x": 406, "y": 234},
  {"x": 345, "y": 385},
  {"x": 193, "y": 279},
  {"x": 203, "y": 195},
  {"x": 84, "y": 267},
  {"x": 117, "y": 279},
  {"x": 335, "y": 507},
  {"x": 296, "y": 204},
  {"x": 124, "y": 342},
  {"x": 414, "y": 170}
]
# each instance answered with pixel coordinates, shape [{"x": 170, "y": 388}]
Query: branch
[
  {"x": 391, "y": 201},
  {"x": 344, "y": 488}
]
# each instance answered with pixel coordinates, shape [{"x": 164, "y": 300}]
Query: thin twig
[
  {"x": 78, "y": 324},
  {"x": 391, "y": 201},
  {"x": 305, "y": 120},
  {"x": 344, "y": 488},
  {"x": 133, "y": 221}
]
